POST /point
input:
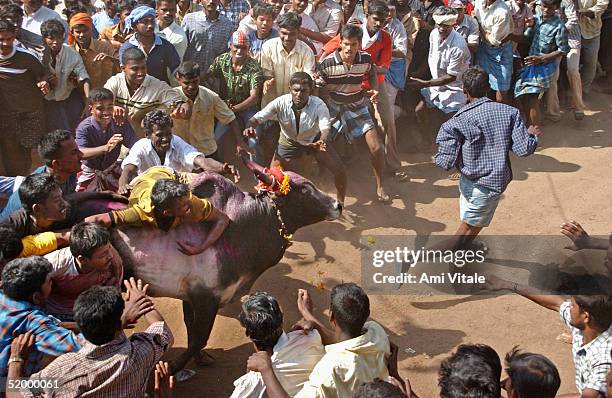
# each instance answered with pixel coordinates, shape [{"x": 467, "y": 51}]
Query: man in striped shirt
[{"x": 342, "y": 73}]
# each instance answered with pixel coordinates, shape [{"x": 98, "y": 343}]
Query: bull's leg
[{"x": 199, "y": 325}]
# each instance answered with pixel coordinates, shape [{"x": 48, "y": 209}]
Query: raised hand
[{"x": 576, "y": 234}]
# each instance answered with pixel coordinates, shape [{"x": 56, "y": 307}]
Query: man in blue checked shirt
[{"x": 477, "y": 141}]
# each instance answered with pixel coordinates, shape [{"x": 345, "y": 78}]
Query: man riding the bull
[{"x": 161, "y": 198}]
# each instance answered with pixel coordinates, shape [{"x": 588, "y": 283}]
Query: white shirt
[
  {"x": 67, "y": 61},
  {"x": 398, "y": 35},
  {"x": 179, "y": 156},
  {"x": 176, "y": 36},
  {"x": 294, "y": 357},
  {"x": 496, "y": 20},
  {"x": 591, "y": 27},
  {"x": 314, "y": 119},
  {"x": 468, "y": 29},
  {"x": 33, "y": 22}
]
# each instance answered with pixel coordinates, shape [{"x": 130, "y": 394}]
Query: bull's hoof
[
  {"x": 203, "y": 359},
  {"x": 184, "y": 375}
]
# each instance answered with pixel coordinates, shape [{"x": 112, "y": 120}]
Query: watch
[{"x": 15, "y": 359}]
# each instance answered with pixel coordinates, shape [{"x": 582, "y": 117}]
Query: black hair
[
  {"x": 50, "y": 145},
  {"x": 378, "y": 388},
  {"x": 158, "y": 2},
  {"x": 35, "y": 189},
  {"x": 11, "y": 11},
  {"x": 97, "y": 312},
  {"x": 263, "y": 9},
  {"x": 150, "y": 3},
  {"x": 132, "y": 54},
  {"x": 23, "y": 277},
  {"x": 86, "y": 237},
  {"x": 551, "y": 2},
  {"x": 350, "y": 31},
  {"x": 476, "y": 82},
  {"x": 289, "y": 20},
  {"x": 467, "y": 374},
  {"x": 10, "y": 244},
  {"x": 301, "y": 78},
  {"x": 166, "y": 191},
  {"x": 157, "y": 118},
  {"x": 445, "y": 11},
  {"x": 532, "y": 375},
  {"x": 378, "y": 7},
  {"x": 100, "y": 94},
  {"x": 125, "y": 5},
  {"x": 262, "y": 320},
  {"x": 7, "y": 26},
  {"x": 69, "y": 12},
  {"x": 599, "y": 308},
  {"x": 350, "y": 307},
  {"x": 188, "y": 70},
  {"x": 52, "y": 28},
  {"x": 486, "y": 353}
]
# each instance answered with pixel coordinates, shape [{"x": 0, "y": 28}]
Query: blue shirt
[
  {"x": 233, "y": 11},
  {"x": 163, "y": 56},
  {"x": 14, "y": 202},
  {"x": 477, "y": 140},
  {"x": 547, "y": 36},
  {"x": 89, "y": 134},
  {"x": 51, "y": 339},
  {"x": 101, "y": 21},
  {"x": 257, "y": 43}
]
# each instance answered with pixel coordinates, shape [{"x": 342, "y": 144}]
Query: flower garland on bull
[{"x": 280, "y": 186}]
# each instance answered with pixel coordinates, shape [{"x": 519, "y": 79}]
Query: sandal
[
  {"x": 383, "y": 198},
  {"x": 578, "y": 115}
]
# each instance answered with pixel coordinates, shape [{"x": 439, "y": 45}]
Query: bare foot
[{"x": 382, "y": 195}]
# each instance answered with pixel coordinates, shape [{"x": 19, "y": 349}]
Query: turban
[
  {"x": 136, "y": 15},
  {"x": 448, "y": 19},
  {"x": 457, "y": 4},
  {"x": 239, "y": 39},
  {"x": 80, "y": 18}
]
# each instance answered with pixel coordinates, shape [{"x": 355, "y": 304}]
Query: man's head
[
  {"x": 593, "y": 312},
  {"x": 27, "y": 279},
  {"x": 125, "y": 8},
  {"x": 262, "y": 320},
  {"x": 110, "y": 7},
  {"x": 188, "y": 76},
  {"x": 459, "y": 7},
  {"x": 210, "y": 6},
  {"x": 97, "y": 312},
  {"x": 81, "y": 27},
  {"x": 42, "y": 197},
  {"x": 53, "y": 33},
  {"x": 445, "y": 18},
  {"x": 288, "y": 29},
  {"x": 10, "y": 245},
  {"x": 475, "y": 83},
  {"x": 300, "y": 86},
  {"x": 171, "y": 198},
  {"x": 277, "y": 5},
  {"x": 549, "y": 8},
  {"x": 60, "y": 152},
  {"x": 299, "y": 6},
  {"x": 101, "y": 102},
  {"x": 32, "y": 5},
  {"x": 166, "y": 11},
  {"x": 378, "y": 388},
  {"x": 350, "y": 42},
  {"x": 157, "y": 126},
  {"x": 349, "y": 308},
  {"x": 472, "y": 371},
  {"x": 264, "y": 15},
  {"x": 8, "y": 32},
  {"x": 348, "y": 7},
  {"x": 239, "y": 47},
  {"x": 13, "y": 13},
  {"x": 378, "y": 12},
  {"x": 530, "y": 375},
  {"x": 144, "y": 25},
  {"x": 134, "y": 66},
  {"x": 90, "y": 246}
]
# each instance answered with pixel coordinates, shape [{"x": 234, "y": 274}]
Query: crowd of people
[{"x": 126, "y": 100}]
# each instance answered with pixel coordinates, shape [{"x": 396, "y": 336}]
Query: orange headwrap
[{"x": 80, "y": 18}]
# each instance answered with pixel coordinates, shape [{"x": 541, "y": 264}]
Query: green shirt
[{"x": 236, "y": 86}]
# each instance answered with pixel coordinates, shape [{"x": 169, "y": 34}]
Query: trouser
[
  {"x": 590, "y": 50},
  {"x": 573, "y": 74},
  {"x": 384, "y": 116}
]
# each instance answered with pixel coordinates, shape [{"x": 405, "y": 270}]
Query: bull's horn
[{"x": 260, "y": 172}]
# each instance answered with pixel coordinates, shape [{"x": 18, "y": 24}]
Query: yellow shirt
[
  {"x": 141, "y": 210},
  {"x": 38, "y": 245},
  {"x": 348, "y": 364},
  {"x": 99, "y": 71}
]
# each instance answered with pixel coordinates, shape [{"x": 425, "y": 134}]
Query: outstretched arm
[{"x": 552, "y": 302}]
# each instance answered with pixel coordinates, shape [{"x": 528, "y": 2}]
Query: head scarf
[
  {"x": 448, "y": 19},
  {"x": 240, "y": 39},
  {"x": 457, "y": 4},
  {"x": 80, "y": 18},
  {"x": 136, "y": 15}
]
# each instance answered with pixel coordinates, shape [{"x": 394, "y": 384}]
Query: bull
[{"x": 256, "y": 239}]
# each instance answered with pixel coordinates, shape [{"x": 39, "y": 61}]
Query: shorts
[
  {"x": 476, "y": 205},
  {"x": 352, "y": 120},
  {"x": 294, "y": 150}
]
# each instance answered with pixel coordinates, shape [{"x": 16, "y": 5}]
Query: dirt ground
[{"x": 567, "y": 178}]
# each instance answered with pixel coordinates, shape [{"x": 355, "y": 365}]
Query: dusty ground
[{"x": 567, "y": 178}]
